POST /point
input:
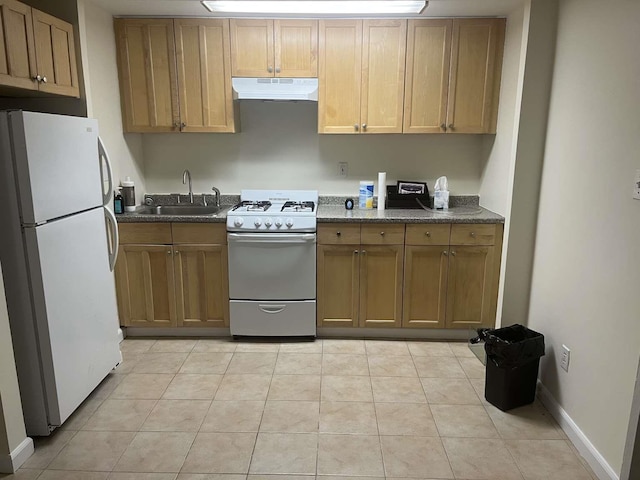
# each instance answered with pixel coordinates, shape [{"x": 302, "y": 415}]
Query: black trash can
[{"x": 513, "y": 358}]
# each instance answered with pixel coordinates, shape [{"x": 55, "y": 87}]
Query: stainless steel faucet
[
  {"x": 187, "y": 174},
  {"x": 217, "y": 192}
]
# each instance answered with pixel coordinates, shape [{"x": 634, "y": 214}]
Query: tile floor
[{"x": 213, "y": 409}]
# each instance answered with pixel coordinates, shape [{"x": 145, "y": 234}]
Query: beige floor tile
[
  {"x": 417, "y": 457},
  {"x": 220, "y": 453},
  {"x": 387, "y": 347},
  {"x": 69, "y": 475},
  {"x": 357, "y": 455},
  {"x": 472, "y": 367},
  {"x": 47, "y": 448},
  {"x": 143, "y": 386},
  {"x": 233, "y": 416},
  {"x": 281, "y": 477},
  {"x": 343, "y": 346},
  {"x": 470, "y": 421},
  {"x": 430, "y": 349},
  {"x": 346, "y": 477},
  {"x": 348, "y": 417},
  {"x": 405, "y": 419},
  {"x": 285, "y": 453},
  {"x": 243, "y": 387},
  {"x": 82, "y": 414},
  {"x": 438, "y": 367},
  {"x": 344, "y": 364},
  {"x": 547, "y": 460},
  {"x": 252, "y": 362},
  {"x": 295, "y": 387},
  {"x": 136, "y": 345},
  {"x": 207, "y": 362},
  {"x": 478, "y": 386},
  {"x": 209, "y": 345},
  {"x": 461, "y": 349},
  {"x": 169, "y": 345},
  {"x": 391, "y": 366},
  {"x": 301, "y": 346},
  {"x": 346, "y": 389},
  {"x": 397, "y": 389},
  {"x": 210, "y": 476},
  {"x": 449, "y": 391},
  {"x": 258, "y": 347},
  {"x": 156, "y": 452},
  {"x": 531, "y": 422},
  {"x": 299, "y": 364},
  {"x": 160, "y": 363},
  {"x": 481, "y": 459},
  {"x": 129, "y": 361},
  {"x": 120, "y": 415},
  {"x": 192, "y": 386},
  {"x": 176, "y": 416},
  {"x": 141, "y": 476},
  {"x": 107, "y": 386},
  {"x": 92, "y": 451},
  {"x": 290, "y": 417},
  {"x": 23, "y": 474}
]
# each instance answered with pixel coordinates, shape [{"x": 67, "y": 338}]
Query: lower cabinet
[{"x": 183, "y": 282}]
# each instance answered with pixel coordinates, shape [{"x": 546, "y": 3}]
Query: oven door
[{"x": 272, "y": 266}]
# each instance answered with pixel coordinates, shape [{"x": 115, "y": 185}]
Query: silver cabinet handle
[
  {"x": 338, "y": 233},
  {"x": 277, "y": 69},
  {"x": 428, "y": 234},
  {"x": 473, "y": 234},
  {"x": 37, "y": 78},
  {"x": 355, "y": 251},
  {"x": 364, "y": 126},
  {"x": 450, "y": 127},
  {"x": 356, "y": 127},
  {"x": 270, "y": 69},
  {"x": 443, "y": 126},
  {"x": 453, "y": 253},
  {"x": 364, "y": 252},
  {"x": 182, "y": 125},
  {"x": 382, "y": 234},
  {"x": 168, "y": 252},
  {"x": 177, "y": 252},
  {"x": 44, "y": 79},
  {"x": 445, "y": 252}
]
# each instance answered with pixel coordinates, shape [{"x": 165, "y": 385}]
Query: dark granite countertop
[{"x": 463, "y": 214}]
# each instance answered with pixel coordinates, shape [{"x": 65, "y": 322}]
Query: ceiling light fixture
[{"x": 316, "y": 7}]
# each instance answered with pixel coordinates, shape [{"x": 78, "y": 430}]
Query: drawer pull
[
  {"x": 473, "y": 234},
  {"x": 355, "y": 252},
  {"x": 382, "y": 234},
  {"x": 445, "y": 253},
  {"x": 338, "y": 233},
  {"x": 453, "y": 253},
  {"x": 428, "y": 234},
  {"x": 364, "y": 252}
]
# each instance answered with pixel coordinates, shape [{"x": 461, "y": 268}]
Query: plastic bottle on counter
[
  {"x": 129, "y": 194},
  {"x": 118, "y": 202}
]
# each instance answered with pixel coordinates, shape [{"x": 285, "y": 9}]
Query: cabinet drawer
[
  {"x": 382, "y": 234},
  {"x": 428, "y": 234},
  {"x": 473, "y": 234},
  {"x": 145, "y": 233},
  {"x": 199, "y": 233},
  {"x": 339, "y": 234}
]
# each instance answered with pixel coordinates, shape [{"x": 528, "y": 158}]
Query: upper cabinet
[
  {"x": 274, "y": 48},
  {"x": 175, "y": 75},
  {"x": 37, "y": 51},
  {"x": 453, "y": 75},
  {"x": 361, "y": 76}
]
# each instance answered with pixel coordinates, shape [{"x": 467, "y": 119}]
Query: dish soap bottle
[{"x": 118, "y": 203}]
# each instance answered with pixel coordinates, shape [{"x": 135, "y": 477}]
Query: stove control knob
[
  {"x": 257, "y": 222},
  {"x": 278, "y": 222},
  {"x": 289, "y": 222},
  {"x": 268, "y": 222},
  {"x": 238, "y": 222}
]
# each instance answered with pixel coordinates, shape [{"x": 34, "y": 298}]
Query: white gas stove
[{"x": 274, "y": 211}]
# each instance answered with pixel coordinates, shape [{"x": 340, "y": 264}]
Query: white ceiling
[{"x": 191, "y": 8}]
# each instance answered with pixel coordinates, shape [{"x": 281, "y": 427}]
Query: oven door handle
[
  {"x": 272, "y": 309},
  {"x": 271, "y": 237}
]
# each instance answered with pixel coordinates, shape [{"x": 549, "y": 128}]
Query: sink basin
[{"x": 181, "y": 210}]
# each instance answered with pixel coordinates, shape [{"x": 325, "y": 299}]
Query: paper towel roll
[{"x": 382, "y": 189}]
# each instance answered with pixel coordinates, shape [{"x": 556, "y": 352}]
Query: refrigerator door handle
[
  {"x": 115, "y": 237},
  {"x": 104, "y": 157}
]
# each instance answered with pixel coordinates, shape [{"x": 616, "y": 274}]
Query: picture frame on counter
[{"x": 405, "y": 187}]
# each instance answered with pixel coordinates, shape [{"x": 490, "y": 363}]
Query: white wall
[
  {"x": 586, "y": 271},
  {"x": 279, "y": 147},
  {"x": 103, "y": 93}
]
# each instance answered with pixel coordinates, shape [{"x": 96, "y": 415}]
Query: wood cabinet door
[
  {"x": 252, "y": 48},
  {"x": 471, "y": 287},
  {"x": 338, "y": 285},
  {"x": 296, "y": 48},
  {"x": 383, "y": 63},
  {"x": 55, "y": 55},
  {"x": 339, "y": 76},
  {"x": 427, "y": 77},
  {"x": 17, "y": 46},
  {"x": 202, "y": 285},
  {"x": 476, "y": 65},
  {"x": 144, "y": 283},
  {"x": 425, "y": 286},
  {"x": 204, "y": 75},
  {"x": 381, "y": 285},
  {"x": 147, "y": 70}
]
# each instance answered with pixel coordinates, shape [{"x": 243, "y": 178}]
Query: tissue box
[{"x": 406, "y": 200}]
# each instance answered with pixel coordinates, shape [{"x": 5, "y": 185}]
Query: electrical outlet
[
  {"x": 565, "y": 356},
  {"x": 636, "y": 186},
  {"x": 343, "y": 169}
]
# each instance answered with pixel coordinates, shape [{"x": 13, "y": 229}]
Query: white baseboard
[
  {"x": 595, "y": 460},
  {"x": 12, "y": 462}
]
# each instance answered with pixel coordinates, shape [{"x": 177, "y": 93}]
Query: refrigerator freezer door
[
  {"x": 74, "y": 300},
  {"x": 57, "y": 165}
]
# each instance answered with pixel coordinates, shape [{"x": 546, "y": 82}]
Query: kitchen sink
[{"x": 181, "y": 210}]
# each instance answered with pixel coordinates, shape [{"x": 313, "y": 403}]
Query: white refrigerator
[{"x": 58, "y": 246}]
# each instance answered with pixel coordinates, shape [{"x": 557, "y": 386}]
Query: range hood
[{"x": 275, "y": 88}]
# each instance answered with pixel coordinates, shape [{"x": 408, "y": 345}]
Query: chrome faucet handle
[
  {"x": 204, "y": 199},
  {"x": 217, "y": 192},
  {"x": 187, "y": 175}
]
